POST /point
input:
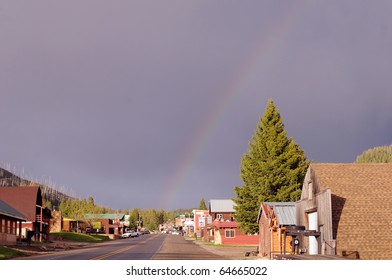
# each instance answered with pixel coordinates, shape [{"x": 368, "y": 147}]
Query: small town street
[{"x": 145, "y": 247}]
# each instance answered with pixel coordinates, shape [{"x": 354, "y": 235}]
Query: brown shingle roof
[
  {"x": 22, "y": 199},
  {"x": 364, "y": 223}
]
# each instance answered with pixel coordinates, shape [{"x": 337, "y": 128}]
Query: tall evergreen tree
[
  {"x": 202, "y": 205},
  {"x": 272, "y": 170}
]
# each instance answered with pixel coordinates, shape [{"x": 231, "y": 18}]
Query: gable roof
[
  {"x": 221, "y": 206},
  {"x": 364, "y": 192},
  {"x": 22, "y": 199},
  {"x": 7, "y": 210},
  {"x": 283, "y": 211}
]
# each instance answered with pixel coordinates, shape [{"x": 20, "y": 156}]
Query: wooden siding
[
  {"x": 264, "y": 237},
  {"x": 358, "y": 199},
  {"x": 313, "y": 200},
  {"x": 277, "y": 246},
  {"x": 321, "y": 203}
]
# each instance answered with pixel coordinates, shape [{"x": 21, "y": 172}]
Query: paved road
[{"x": 145, "y": 247}]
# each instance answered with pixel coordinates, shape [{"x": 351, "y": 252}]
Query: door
[{"x": 313, "y": 225}]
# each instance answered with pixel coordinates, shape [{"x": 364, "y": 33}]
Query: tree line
[
  {"x": 380, "y": 154},
  {"x": 138, "y": 218}
]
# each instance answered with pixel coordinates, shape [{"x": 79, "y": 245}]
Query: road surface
[{"x": 145, "y": 247}]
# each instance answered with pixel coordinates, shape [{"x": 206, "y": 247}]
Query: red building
[
  {"x": 223, "y": 228},
  {"x": 109, "y": 224},
  {"x": 200, "y": 217},
  {"x": 28, "y": 202},
  {"x": 10, "y": 221}
]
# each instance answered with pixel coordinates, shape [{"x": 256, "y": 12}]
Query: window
[
  {"x": 310, "y": 189},
  {"x": 230, "y": 233},
  {"x": 219, "y": 216}
]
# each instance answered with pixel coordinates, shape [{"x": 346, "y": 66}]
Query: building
[
  {"x": 274, "y": 219},
  {"x": 346, "y": 210},
  {"x": 109, "y": 224},
  {"x": 10, "y": 224},
  {"x": 28, "y": 202},
  {"x": 221, "y": 209},
  {"x": 200, "y": 219},
  {"x": 223, "y": 228}
]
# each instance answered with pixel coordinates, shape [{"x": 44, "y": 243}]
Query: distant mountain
[
  {"x": 8, "y": 179},
  {"x": 380, "y": 154}
]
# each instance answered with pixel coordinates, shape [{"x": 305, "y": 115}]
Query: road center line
[{"x": 121, "y": 250}]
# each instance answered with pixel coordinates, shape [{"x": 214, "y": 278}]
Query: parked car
[
  {"x": 126, "y": 235},
  {"x": 129, "y": 234}
]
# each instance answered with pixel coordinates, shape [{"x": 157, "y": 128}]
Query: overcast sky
[{"x": 151, "y": 104}]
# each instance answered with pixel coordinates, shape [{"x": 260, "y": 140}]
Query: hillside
[
  {"x": 8, "y": 179},
  {"x": 380, "y": 154}
]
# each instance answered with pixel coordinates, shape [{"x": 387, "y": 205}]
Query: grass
[
  {"x": 8, "y": 253},
  {"x": 78, "y": 237}
]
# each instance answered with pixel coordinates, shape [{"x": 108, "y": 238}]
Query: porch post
[{"x": 20, "y": 231}]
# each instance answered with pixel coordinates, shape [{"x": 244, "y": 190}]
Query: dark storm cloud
[{"x": 107, "y": 99}]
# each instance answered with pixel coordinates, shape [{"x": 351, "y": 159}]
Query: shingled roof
[{"x": 364, "y": 190}]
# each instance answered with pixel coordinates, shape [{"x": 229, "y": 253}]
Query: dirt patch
[{"x": 232, "y": 252}]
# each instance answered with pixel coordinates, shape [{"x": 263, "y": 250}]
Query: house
[
  {"x": 73, "y": 225},
  {"x": 346, "y": 210},
  {"x": 274, "y": 219},
  {"x": 10, "y": 223},
  {"x": 28, "y": 202},
  {"x": 59, "y": 223},
  {"x": 109, "y": 224},
  {"x": 221, "y": 209},
  {"x": 224, "y": 229}
]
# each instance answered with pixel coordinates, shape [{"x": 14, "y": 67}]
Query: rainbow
[{"x": 244, "y": 75}]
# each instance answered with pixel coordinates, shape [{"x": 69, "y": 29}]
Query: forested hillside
[
  {"x": 76, "y": 208},
  {"x": 51, "y": 196},
  {"x": 381, "y": 154}
]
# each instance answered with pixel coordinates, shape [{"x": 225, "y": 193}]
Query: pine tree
[
  {"x": 272, "y": 170},
  {"x": 202, "y": 205},
  {"x": 380, "y": 154}
]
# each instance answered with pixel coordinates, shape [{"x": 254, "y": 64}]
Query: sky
[{"x": 151, "y": 104}]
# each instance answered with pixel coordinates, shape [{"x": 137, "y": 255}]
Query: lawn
[
  {"x": 78, "y": 237},
  {"x": 8, "y": 253}
]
